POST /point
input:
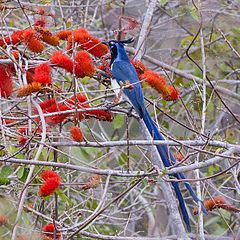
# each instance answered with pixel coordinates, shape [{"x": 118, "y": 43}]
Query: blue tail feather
[
  {"x": 182, "y": 205},
  {"x": 168, "y": 160}
]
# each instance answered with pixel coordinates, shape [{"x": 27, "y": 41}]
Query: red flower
[
  {"x": 34, "y": 45},
  {"x": 99, "y": 114},
  {"x": 172, "y": 94},
  {"x": 62, "y": 61},
  {"x": 76, "y": 134},
  {"x": 47, "y": 36},
  {"x": 3, "y": 220},
  {"x": 48, "y": 230},
  {"x": 52, "y": 182},
  {"x": 29, "y": 89},
  {"x": 22, "y": 140},
  {"x": 40, "y": 22},
  {"x": 84, "y": 66},
  {"x": 30, "y": 74},
  {"x": 87, "y": 42},
  {"x": 42, "y": 74},
  {"x": 30, "y": 38},
  {"x": 63, "y": 35},
  {"x": 179, "y": 156},
  {"x": 47, "y": 104},
  {"x": 139, "y": 66},
  {"x": 211, "y": 204},
  {"x": 41, "y": 11},
  {"x": 47, "y": 174},
  {"x": 6, "y": 85},
  {"x": 155, "y": 80},
  {"x": 17, "y": 36}
]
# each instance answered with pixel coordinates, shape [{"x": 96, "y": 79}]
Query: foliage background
[{"x": 173, "y": 39}]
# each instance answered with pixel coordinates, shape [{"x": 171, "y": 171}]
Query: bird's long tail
[{"x": 168, "y": 160}]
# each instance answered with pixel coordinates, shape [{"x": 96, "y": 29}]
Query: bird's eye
[{"x": 111, "y": 43}]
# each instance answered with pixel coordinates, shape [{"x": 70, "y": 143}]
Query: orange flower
[
  {"x": 47, "y": 36},
  {"x": 3, "y": 220},
  {"x": 179, "y": 156},
  {"x": 30, "y": 74},
  {"x": 93, "y": 182},
  {"x": 139, "y": 66},
  {"x": 87, "y": 42},
  {"x": 6, "y": 85},
  {"x": 42, "y": 74},
  {"x": 48, "y": 230},
  {"x": 34, "y": 45},
  {"x": 48, "y": 174},
  {"x": 30, "y": 38},
  {"x": 17, "y": 36},
  {"x": 62, "y": 61},
  {"x": 75, "y": 102},
  {"x": 76, "y": 134},
  {"x": 63, "y": 35},
  {"x": 155, "y": 80},
  {"x": 40, "y": 22},
  {"x": 15, "y": 54},
  {"x": 84, "y": 66},
  {"x": 41, "y": 11},
  {"x": 22, "y": 140},
  {"x": 52, "y": 182},
  {"x": 99, "y": 114},
  {"x": 172, "y": 94},
  {"x": 47, "y": 104},
  {"x": 211, "y": 204},
  {"x": 29, "y": 89}
]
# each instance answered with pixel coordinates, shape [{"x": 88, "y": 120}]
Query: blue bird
[{"x": 124, "y": 74}]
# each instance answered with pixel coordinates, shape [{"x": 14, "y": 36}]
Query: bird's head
[{"x": 117, "y": 47}]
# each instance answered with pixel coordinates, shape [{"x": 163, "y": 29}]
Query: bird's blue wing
[{"x": 124, "y": 71}]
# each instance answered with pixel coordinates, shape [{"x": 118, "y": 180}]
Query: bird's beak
[{"x": 105, "y": 43}]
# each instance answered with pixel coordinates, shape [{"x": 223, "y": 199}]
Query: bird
[{"x": 124, "y": 74}]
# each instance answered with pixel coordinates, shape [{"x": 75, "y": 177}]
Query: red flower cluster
[
  {"x": 3, "y": 220},
  {"x": 159, "y": 83},
  {"x": 42, "y": 74},
  {"x": 46, "y": 36},
  {"x": 23, "y": 131},
  {"x": 179, "y": 156},
  {"x": 6, "y": 85},
  {"x": 139, "y": 66},
  {"x": 48, "y": 230},
  {"x": 51, "y": 106},
  {"x": 85, "y": 40},
  {"x": 62, "y": 61},
  {"x": 28, "y": 89},
  {"x": 83, "y": 65},
  {"x": 217, "y": 202},
  {"x": 76, "y": 134},
  {"x": 156, "y": 81},
  {"x": 52, "y": 182},
  {"x": 32, "y": 38}
]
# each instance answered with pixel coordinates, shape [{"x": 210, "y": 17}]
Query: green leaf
[
  {"x": 4, "y": 181},
  {"x": 6, "y": 171},
  {"x": 163, "y": 2},
  {"x": 64, "y": 197},
  {"x": 165, "y": 124},
  {"x": 118, "y": 121},
  {"x": 193, "y": 12},
  {"x": 22, "y": 173},
  {"x": 122, "y": 159}
]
